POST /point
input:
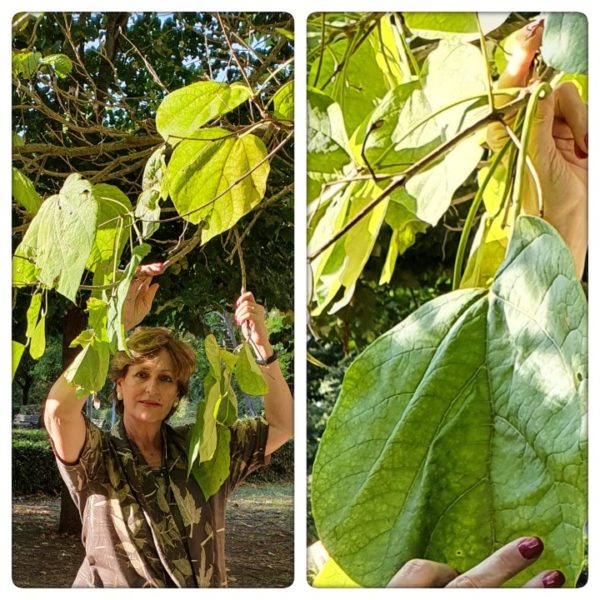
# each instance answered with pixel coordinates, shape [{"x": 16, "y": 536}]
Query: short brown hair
[{"x": 147, "y": 342}]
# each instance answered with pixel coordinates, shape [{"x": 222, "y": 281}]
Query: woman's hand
[
  {"x": 558, "y": 148},
  {"x": 141, "y": 294},
  {"x": 250, "y": 316},
  {"x": 492, "y": 572}
]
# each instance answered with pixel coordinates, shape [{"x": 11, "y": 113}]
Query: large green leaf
[
  {"x": 113, "y": 222},
  {"x": 24, "y": 192},
  {"x": 464, "y": 427},
  {"x": 565, "y": 41},
  {"x": 331, "y": 576},
  {"x": 218, "y": 177},
  {"x": 184, "y": 111},
  {"x": 211, "y": 474},
  {"x": 60, "y": 238}
]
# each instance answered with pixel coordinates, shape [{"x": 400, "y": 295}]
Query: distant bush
[
  {"x": 281, "y": 467},
  {"x": 33, "y": 463}
]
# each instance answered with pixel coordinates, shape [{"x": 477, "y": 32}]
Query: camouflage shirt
[{"x": 145, "y": 528}]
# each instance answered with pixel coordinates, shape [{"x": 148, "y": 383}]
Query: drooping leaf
[
  {"x": 454, "y": 25},
  {"x": 218, "y": 177},
  {"x": 61, "y": 64},
  {"x": 328, "y": 146},
  {"x": 33, "y": 313},
  {"x": 210, "y": 408},
  {"x": 17, "y": 353},
  {"x": 184, "y": 111},
  {"x": 565, "y": 41},
  {"x": 464, "y": 427},
  {"x": 213, "y": 354},
  {"x": 341, "y": 265},
  {"x": 147, "y": 211},
  {"x": 37, "y": 346},
  {"x": 89, "y": 369},
  {"x": 248, "y": 373},
  {"x": 211, "y": 474},
  {"x": 357, "y": 75},
  {"x": 113, "y": 221},
  {"x": 114, "y": 326},
  {"x": 491, "y": 240},
  {"x": 60, "y": 238},
  {"x": 283, "y": 102},
  {"x": 24, "y": 192}
]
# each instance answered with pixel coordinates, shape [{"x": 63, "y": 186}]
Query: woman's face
[{"x": 149, "y": 389}]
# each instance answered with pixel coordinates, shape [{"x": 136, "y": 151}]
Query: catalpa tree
[{"x": 147, "y": 137}]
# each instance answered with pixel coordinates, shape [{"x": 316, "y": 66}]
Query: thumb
[{"x": 152, "y": 291}]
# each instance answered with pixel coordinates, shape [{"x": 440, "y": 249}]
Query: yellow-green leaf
[
  {"x": 37, "y": 347},
  {"x": 184, "y": 111},
  {"x": 24, "y": 192},
  {"x": 17, "y": 353},
  {"x": 248, "y": 373},
  {"x": 218, "y": 177}
]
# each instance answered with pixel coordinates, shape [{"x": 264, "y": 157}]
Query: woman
[
  {"x": 559, "y": 151},
  {"x": 144, "y": 523}
]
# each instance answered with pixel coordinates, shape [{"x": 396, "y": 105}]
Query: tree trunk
[{"x": 74, "y": 323}]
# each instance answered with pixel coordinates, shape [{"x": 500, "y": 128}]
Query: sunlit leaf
[
  {"x": 452, "y": 25},
  {"x": 89, "y": 369},
  {"x": 464, "y": 427},
  {"x": 61, "y": 64},
  {"x": 37, "y": 345},
  {"x": 332, "y": 576},
  {"x": 60, "y": 238},
  {"x": 218, "y": 178},
  {"x": 184, "y": 111},
  {"x": 24, "y": 192},
  {"x": 33, "y": 313},
  {"x": 328, "y": 146},
  {"x": 283, "y": 102},
  {"x": 113, "y": 222},
  {"x": 17, "y": 353}
]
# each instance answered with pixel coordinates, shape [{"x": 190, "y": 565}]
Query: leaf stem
[
  {"x": 417, "y": 167},
  {"x": 464, "y": 238},
  {"x": 539, "y": 91}
]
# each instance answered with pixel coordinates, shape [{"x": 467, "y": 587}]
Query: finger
[
  {"x": 245, "y": 315},
  {"x": 569, "y": 107},
  {"x": 502, "y": 565},
  {"x": 152, "y": 292},
  {"x": 421, "y": 573},
  {"x": 527, "y": 42},
  {"x": 246, "y": 296},
  {"x": 516, "y": 74},
  {"x": 546, "y": 579}
]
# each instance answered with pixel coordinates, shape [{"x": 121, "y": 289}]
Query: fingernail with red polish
[
  {"x": 531, "y": 547},
  {"x": 554, "y": 579}
]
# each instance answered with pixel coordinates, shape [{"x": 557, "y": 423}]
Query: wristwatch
[{"x": 267, "y": 361}]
